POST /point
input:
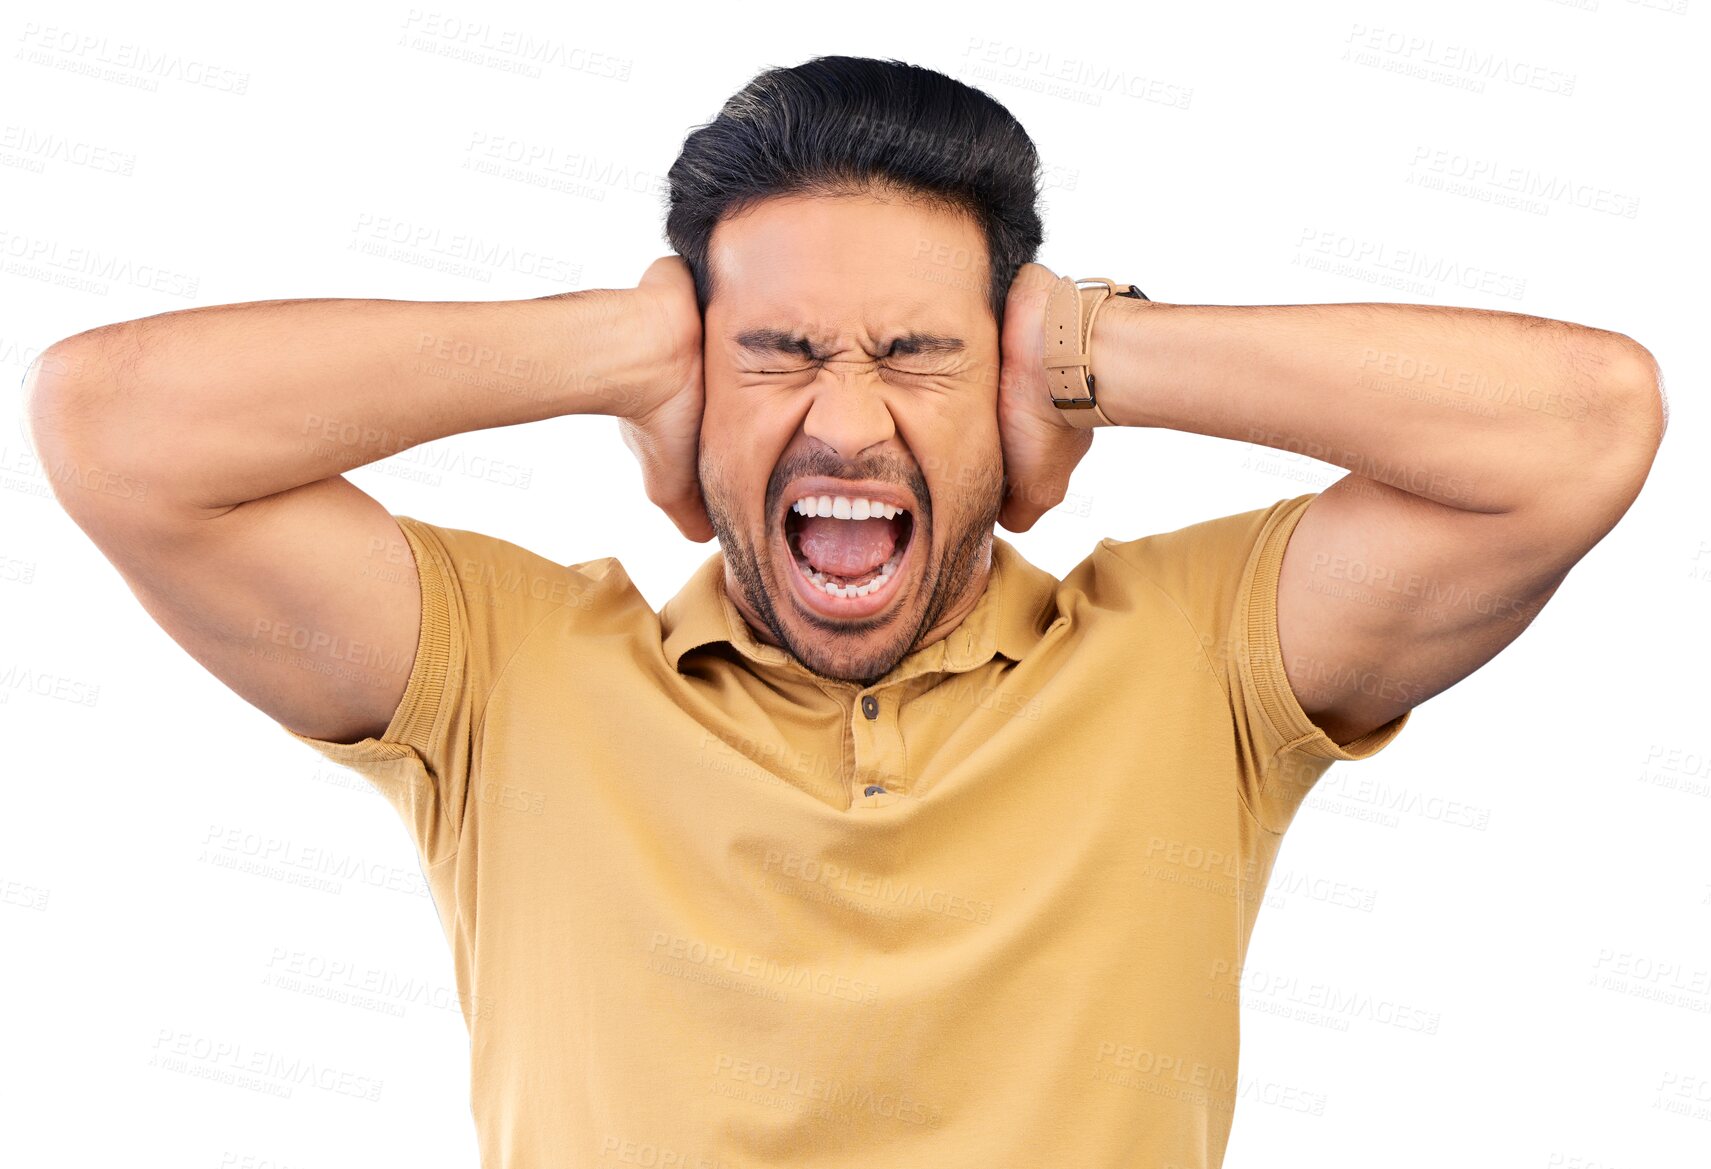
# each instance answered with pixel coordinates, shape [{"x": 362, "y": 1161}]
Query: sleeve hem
[
  {"x": 413, "y": 720},
  {"x": 1277, "y": 701}
]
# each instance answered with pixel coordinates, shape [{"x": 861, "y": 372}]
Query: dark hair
[{"x": 848, "y": 125}]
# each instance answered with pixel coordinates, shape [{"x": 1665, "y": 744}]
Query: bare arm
[
  {"x": 215, "y": 407},
  {"x": 1489, "y": 451},
  {"x": 203, "y": 452}
]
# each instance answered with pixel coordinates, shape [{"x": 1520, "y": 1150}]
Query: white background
[{"x": 1527, "y": 863}]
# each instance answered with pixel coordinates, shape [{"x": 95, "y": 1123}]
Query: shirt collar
[{"x": 1013, "y": 612}]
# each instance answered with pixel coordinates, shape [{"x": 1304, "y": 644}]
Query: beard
[{"x": 887, "y": 637}]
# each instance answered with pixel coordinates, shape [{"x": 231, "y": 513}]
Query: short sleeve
[
  {"x": 482, "y": 597},
  {"x": 1222, "y": 574}
]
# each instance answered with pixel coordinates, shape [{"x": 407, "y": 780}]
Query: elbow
[
  {"x": 1633, "y": 384},
  {"x": 1633, "y": 415},
  {"x": 66, "y": 392},
  {"x": 49, "y": 386}
]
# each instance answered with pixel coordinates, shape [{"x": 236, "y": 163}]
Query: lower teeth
[{"x": 824, "y": 583}]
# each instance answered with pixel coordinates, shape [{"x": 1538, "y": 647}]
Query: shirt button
[
  {"x": 870, "y": 706},
  {"x": 873, "y": 789}
]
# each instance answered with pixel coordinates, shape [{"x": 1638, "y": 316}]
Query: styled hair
[{"x": 855, "y": 125}]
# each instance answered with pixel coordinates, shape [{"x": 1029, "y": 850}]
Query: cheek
[
  {"x": 738, "y": 454},
  {"x": 957, "y": 450},
  {"x": 743, "y": 421}
]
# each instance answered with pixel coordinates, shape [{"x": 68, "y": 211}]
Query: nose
[{"x": 848, "y": 412}]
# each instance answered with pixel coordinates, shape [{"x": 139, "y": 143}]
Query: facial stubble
[{"x": 949, "y": 576}]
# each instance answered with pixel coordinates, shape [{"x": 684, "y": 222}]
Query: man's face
[{"x": 850, "y": 351}]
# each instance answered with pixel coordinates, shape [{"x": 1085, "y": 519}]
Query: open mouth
[{"x": 849, "y": 565}]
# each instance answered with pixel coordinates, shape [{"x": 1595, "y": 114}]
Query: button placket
[{"x": 878, "y": 746}]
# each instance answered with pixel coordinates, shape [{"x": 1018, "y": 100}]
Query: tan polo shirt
[{"x": 707, "y": 910}]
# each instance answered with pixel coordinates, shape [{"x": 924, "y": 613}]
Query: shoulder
[
  {"x": 1206, "y": 559},
  {"x": 1194, "y": 574},
  {"x": 495, "y": 574}
]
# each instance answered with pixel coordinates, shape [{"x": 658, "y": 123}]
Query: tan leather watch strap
[{"x": 1068, "y": 327}]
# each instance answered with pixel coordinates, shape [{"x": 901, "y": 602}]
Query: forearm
[
  {"x": 212, "y": 407},
  {"x": 1480, "y": 411}
]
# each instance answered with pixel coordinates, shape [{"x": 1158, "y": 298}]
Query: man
[{"x": 877, "y": 844}]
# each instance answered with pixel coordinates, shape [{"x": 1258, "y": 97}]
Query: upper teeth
[{"x": 843, "y": 507}]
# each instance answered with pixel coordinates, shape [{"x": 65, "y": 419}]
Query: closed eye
[
  {"x": 924, "y": 347},
  {"x": 882, "y": 365}
]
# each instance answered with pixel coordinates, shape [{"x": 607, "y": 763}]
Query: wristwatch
[{"x": 1068, "y": 328}]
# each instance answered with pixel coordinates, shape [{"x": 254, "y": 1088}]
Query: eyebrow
[{"x": 767, "y": 341}]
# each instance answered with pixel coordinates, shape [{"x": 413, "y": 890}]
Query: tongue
[{"x": 848, "y": 548}]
